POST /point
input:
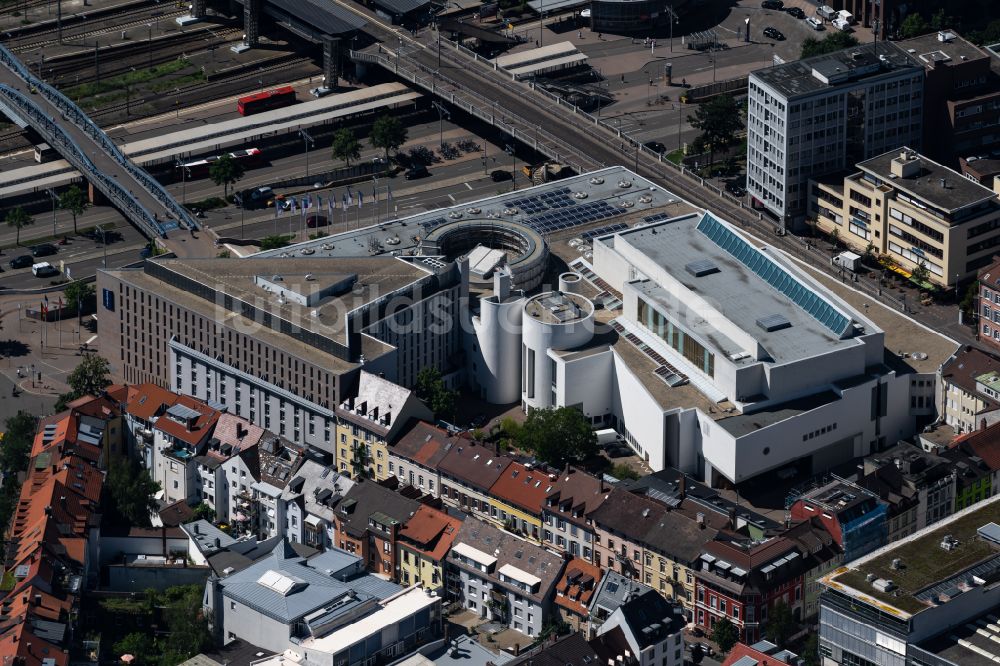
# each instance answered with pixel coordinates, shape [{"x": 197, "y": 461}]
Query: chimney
[
  {"x": 682, "y": 486},
  {"x": 218, "y": 542},
  {"x": 944, "y": 183},
  {"x": 732, "y": 518},
  {"x": 566, "y": 471},
  {"x": 517, "y": 649}
]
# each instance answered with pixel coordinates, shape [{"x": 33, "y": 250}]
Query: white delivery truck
[
  {"x": 848, "y": 260},
  {"x": 827, "y": 12},
  {"x": 44, "y": 269}
]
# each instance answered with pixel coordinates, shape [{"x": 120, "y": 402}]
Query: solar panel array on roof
[
  {"x": 603, "y": 231},
  {"x": 657, "y": 217},
  {"x": 775, "y": 275},
  {"x": 558, "y": 220}
]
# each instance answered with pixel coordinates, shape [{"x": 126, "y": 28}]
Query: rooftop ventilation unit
[
  {"x": 701, "y": 268},
  {"x": 774, "y": 322}
]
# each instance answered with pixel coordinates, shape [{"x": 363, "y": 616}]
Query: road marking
[
  {"x": 452, "y": 197},
  {"x": 468, "y": 186}
]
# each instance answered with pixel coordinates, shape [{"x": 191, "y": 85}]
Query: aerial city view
[{"x": 500, "y": 332}]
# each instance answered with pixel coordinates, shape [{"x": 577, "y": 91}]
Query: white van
[
  {"x": 44, "y": 269},
  {"x": 815, "y": 23},
  {"x": 842, "y": 24},
  {"x": 827, "y": 12}
]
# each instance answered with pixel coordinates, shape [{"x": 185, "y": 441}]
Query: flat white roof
[
  {"x": 522, "y": 58},
  {"x": 566, "y": 60},
  {"x": 511, "y": 571},
  {"x": 474, "y": 554},
  {"x": 394, "y": 610},
  {"x": 482, "y": 260}
]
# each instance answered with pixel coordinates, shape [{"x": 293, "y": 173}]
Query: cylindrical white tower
[
  {"x": 552, "y": 320},
  {"x": 498, "y": 338},
  {"x": 569, "y": 283}
]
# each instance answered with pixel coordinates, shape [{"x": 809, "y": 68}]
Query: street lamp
[
  {"x": 442, "y": 114},
  {"x": 746, "y": 35},
  {"x": 56, "y": 199},
  {"x": 308, "y": 141},
  {"x": 104, "y": 242},
  {"x": 509, "y": 149},
  {"x": 184, "y": 171},
  {"x": 149, "y": 28}
]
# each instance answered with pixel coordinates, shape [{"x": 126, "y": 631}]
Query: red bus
[
  {"x": 249, "y": 158},
  {"x": 265, "y": 101}
]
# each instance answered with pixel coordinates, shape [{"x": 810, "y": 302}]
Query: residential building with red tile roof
[
  {"x": 415, "y": 456},
  {"x": 564, "y": 512},
  {"x": 423, "y": 544},
  {"x": 516, "y": 499},
  {"x": 574, "y": 592},
  {"x": 179, "y": 435},
  {"x": 467, "y": 473},
  {"x": 763, "y": 653}
]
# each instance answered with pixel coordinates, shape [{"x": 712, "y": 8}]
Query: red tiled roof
[
  {"x": 199, "y": 430},
  {"x": 984, "y": 443},
  {"x": 522, "y": 487},
  {"x": 18, "y": 640},
  {"x": 424, "y": 444},
  {"x": 577, "y": 585},
  {"x": 144, "y": 400},
  {"x": 431, "y": 532},
  {"x": 741, "y": 650}
]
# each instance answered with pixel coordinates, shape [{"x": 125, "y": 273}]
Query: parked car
[
  {"x": 314, "y": 221},
  {"x": 774, "y": 33},
  {"x": 796, "y": 12},
  {"x": 44, "y": 250},
  {"x": 735, "y": 188},
  {"x": 815, "y": 23},
  {"x": 500, "y": 175},
  {"x": 22, "y": 261},
  {"x": 322, "y": 91},
  {"x": 772, "y": 4},
  {"x": 416, "y": 171},
  {"x": 656, "y": 147}
]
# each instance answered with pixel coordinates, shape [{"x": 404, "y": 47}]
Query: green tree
[
  {"x": 558, "y": 435},
  {"x": 75, "y": 201},
  {"x": 388, "y": 133},
  {"x": 810, "y": 651},
  {"x": 346, "y": 146},
  {"x": 141, "y": 646},
  {"x": 186, "y": 624},
  {"x": 274, "y": 242},
  {"x": 780, "y": 624},
  {"x": 914, "y": 25},
  {"x": 940, "y": 20},
  {"x": 719, "y": 120},
  {"x": 432, "y": 390},
  {"x": 725, "y": 634},
  {"x": 871, "y": 253},
  {"x": 17, "y": 218},
  {"x": 835, "y": 41},
  {"x": 920, "y": 274},
  {"x": 968, "y": 304},
  {"x": 204, "y": 512},
  {"x": 79, "y": 295},
  {"x": 17, "y": 441},
  {"x": 835, "y": 237},
  {"x": 225, "y": 171},
  {"x": 91, "y": 376},
  {"x": 132, "y": 492},
  {"x": 623, "y": 472}
]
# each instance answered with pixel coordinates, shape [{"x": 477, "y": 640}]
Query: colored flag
[
  {"x": 45, "y": 307},
  {"x": 388, "y": 192},
  {"x": 350, "y": 197},
  {"x": 277, "y": 209},
  {"x": 343, "y": 200},
  {"x": 331, "y": 202},
  {"x": 360, "y": 197},
  {"x": 319, "y": 202}
]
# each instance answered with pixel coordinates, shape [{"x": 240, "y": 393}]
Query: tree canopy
[
  {"x": 780, "y": 624},
  {"x": 558, "y": 436},
  {"x": 183, "y": 634},
  {"x": 91, "y": 376},
  {"x": 132, "y": 492},
  {"x": 835, "y": 41},
  {"x": 388, "y": 133},
  {"x": 274, "y": 242},
  {"x": 225, "y": 171},
  {"x": 75, "y": 201},
  {"x": 78, "y": 294},
  {"x": 725, "y": 634},
  {"x": 432, "y": 390},
  {"x": 346, "y": 146},
  {"x": 719, "y": 120},
  {"x": 17, "y": 218},
  {"x": 914, "y": 25}
]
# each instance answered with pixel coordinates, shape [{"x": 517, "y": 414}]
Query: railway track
[
  {"x": 79, "y": 68},
  {"x": 92, "y": 27}
]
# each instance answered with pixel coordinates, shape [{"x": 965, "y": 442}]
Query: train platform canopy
[
  {"x": 326, "y": 17},
  {"x": 469, "y": 30},
  {"x": 400, "y": 7},
  {"x": 545, "y": 59},
  {"x": 556, "y": 5}
]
